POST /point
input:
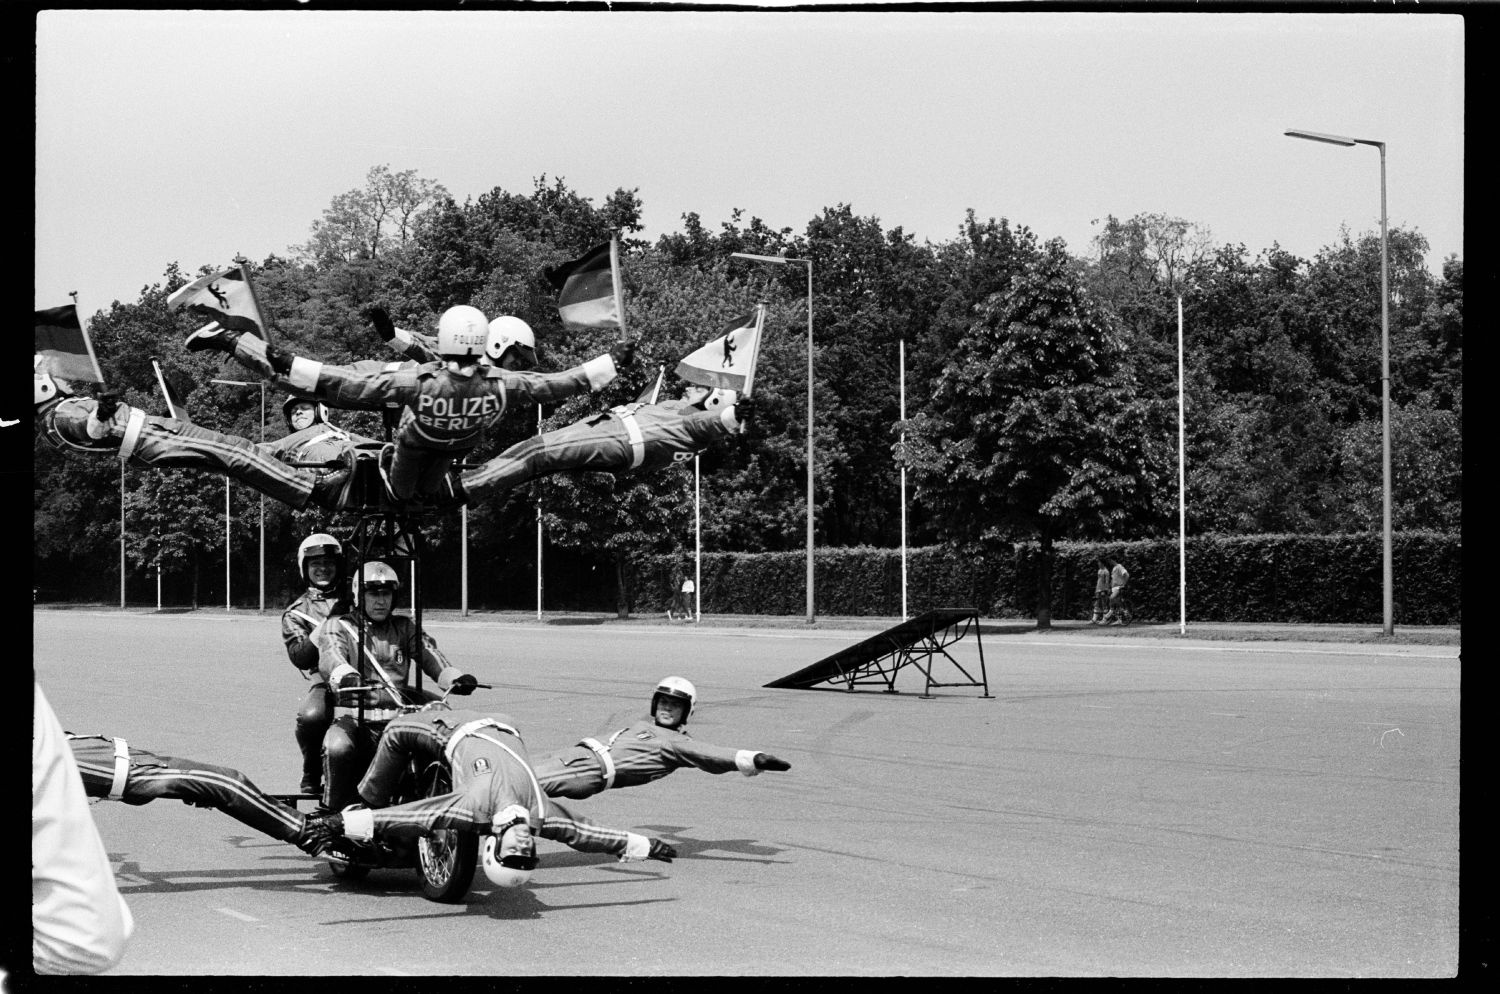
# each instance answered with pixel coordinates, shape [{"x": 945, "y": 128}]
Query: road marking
[
  {"x": 237, "y": 914},
  {"x": 392, "y": 971},
  {"x": 1224, "y": 714},
  {"x": 1101, "y": 707}
]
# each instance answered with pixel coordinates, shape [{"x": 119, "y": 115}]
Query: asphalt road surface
[{"x": 1115, "y": 809}]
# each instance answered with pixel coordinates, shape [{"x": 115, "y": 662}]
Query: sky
[{"x": 196, "y": 136}]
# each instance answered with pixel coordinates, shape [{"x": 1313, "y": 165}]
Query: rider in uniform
[
  {"x": 320, "y": 563},
  {"x": 646, "y": 750},
  {"x": 447, "y": 405},
  {"x": 380, "y": 664},
  {"x": 494, "y": 792}
]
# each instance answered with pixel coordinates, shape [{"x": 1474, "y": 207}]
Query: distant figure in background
[
  {"x": 1101, "y": 591},
  {"x": 685, "y": 595},
  {"x": 79, "y": 921},
  {"x": 1118, "y": 577}
]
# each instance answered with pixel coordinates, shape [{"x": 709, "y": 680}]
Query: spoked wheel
[{"x": 446, "y": 858}]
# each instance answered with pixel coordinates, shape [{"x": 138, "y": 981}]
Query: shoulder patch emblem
[{"x": 481, "y": 766}]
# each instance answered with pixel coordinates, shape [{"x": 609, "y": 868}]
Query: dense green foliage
[
  {"x": 1041, "y": 396},
  {"x": 1264, "y": 578}
]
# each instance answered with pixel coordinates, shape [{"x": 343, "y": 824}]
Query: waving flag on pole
[
  {"x": 588, "y": 289},
  {"x": 728, "y": 361},
  {"x": 64, "y": 345},
  {"x": 226, "y": 297},
  {"x": 175, "y": 407}
]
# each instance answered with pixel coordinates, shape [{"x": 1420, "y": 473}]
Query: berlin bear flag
[
  {"x": 64, "y": 347},
  {"x": 728, "y": 361},
  {"x": 226, "y": 297},
  {"x": 588, "y": 289}
]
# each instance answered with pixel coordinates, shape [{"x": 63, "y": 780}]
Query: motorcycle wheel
[{"x": 447, "y": 858}]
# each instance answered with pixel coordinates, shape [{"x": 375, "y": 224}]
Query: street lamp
[
  {"x": 1385, "y": 367},
  {"x": 262, "y": 385},
  {"x": 781, "y": 260}
]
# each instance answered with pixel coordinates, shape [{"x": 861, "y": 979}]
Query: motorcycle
[{"x": 445, "y": 859}]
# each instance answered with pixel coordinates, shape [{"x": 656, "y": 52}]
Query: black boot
[{"x": 279, "y": 358}]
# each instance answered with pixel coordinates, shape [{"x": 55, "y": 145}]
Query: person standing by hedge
[
  {"x": 1101, "y": 591},
  {"x": 1118, "y": 577}
]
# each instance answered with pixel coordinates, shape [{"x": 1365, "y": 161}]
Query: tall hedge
[{"x": 1266, "y": 578}]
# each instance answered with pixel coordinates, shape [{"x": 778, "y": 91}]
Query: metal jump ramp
[{"x": 917, "y": 641}]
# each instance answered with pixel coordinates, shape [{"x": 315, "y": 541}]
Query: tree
[
  {"x": 379, "y": 218},
  {"x": 1034, "y": 427}
]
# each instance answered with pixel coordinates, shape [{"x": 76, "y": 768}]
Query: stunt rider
[
  {"x": 103, "y": 424},
  {"x": 447, "y": 404},
  {"x": 115, "y": 770},
  {"x": 381, "y": 663},
  {"x": 494, "y": 792},
  {"x": 320, "y": 563},
  {"x": 627, "y": 438},
  {"x": 644, "y": 751}
]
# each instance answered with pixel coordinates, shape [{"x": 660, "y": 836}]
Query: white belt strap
[
  {"x": 605, "y": 762},
  {"x": 637, "y": 443},
  {"x": 122, "y": 770},
  {"x": 390, "y": 684},
  {"x": 304, "y": 616},
  {"x": 472, "y": 728},
  {"x": 132, "y": 436},
  {"x": 469, "y": 728}
]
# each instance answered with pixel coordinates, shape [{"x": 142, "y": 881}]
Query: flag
[
  {"x": 651, "y": 393},
  {"x": 226, "y": 297},
  {"x": 64, "y": 346},
  {"x": 729, "y": 360},
  {"x": 587, "y": 289},
  {"x": 175, "y": 407}
]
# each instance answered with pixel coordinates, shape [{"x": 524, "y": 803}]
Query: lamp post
[
  {"x": 781, "y": 260},
  {"x": 262, "y": 385},
  {"x": 1385, "y": 370}
]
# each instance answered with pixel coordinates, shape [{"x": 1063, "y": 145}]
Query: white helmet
[
  {"x": 375, "y": 574},
  {"x": 313, "y": 546},
  {"x": 43, "y": 386},
  {"x": 719, "y": 398},
  {"x": 508, "y": 853},
  {"x": 714, "y": 399},
  {"x": 462, "y": 331},
  {"x": 678, "y": 689},
  {"x": 508, "y": 330}
]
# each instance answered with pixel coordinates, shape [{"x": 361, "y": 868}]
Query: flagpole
[
  {"x": 539, "y": 531},
  {"x": 614, "y": 274},
  {"x": 260, "y": 311},
  {"x": 697, "y": 546},
  {"x": 122, "y": 539},
  {"x": 1181, "y": 490},
  {"x": 228, "y": 606},
  {"x": 88, "y": 341},
  {"x": 902, "y": 368},
  {"x": 760, "y": 321},
  {"x": 463, "y": 565}
]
